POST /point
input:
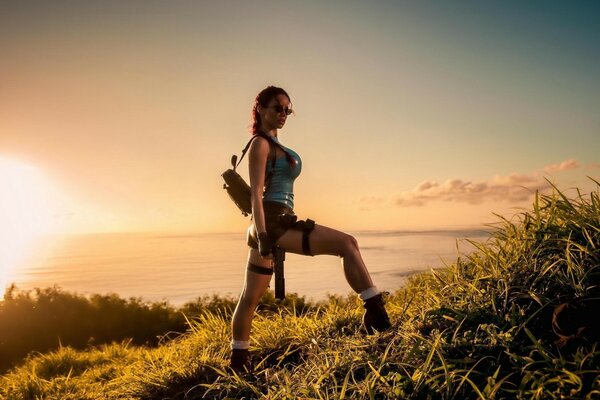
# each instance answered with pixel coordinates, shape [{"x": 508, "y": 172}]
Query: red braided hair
[{"x": 264, "y": 98}]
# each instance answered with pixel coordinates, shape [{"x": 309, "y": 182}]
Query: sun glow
[{"x": 26, "y": 213}]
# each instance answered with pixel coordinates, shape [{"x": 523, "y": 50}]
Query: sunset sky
[{"x": 121, "y": 115}]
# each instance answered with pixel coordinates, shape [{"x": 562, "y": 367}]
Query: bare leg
[
  {"x": 324, "y": 240},
  {"x": 255, "y": 286}
]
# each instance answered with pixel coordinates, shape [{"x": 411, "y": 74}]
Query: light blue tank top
[{"x": 281, "y": 188}]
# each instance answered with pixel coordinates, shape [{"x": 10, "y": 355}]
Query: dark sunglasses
[{"x": 279, "y": 109}]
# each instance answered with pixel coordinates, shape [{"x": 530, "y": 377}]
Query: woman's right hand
[{"x": 265, "y": 246}]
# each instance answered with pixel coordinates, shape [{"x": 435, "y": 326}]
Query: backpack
[{"x": 236, "y": 187}]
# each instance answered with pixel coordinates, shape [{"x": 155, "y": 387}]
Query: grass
[
  {"x": 481, "y": 328},
  {"x": 42, "y": 319}
]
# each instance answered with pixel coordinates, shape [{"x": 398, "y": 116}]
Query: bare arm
[{"x": 257, "y": 158}]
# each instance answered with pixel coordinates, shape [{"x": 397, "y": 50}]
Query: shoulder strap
[{"x": 235, "y": 163}]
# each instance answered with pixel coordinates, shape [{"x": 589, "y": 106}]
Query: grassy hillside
[
  {"x": 43, "y": 319},
  {"x": 480, "y": 328}
]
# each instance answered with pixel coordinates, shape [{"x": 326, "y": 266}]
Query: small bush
[{"x": 43, "y": 319}]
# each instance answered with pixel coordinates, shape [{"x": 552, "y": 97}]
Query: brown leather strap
[{"x": 259, "y": 270}]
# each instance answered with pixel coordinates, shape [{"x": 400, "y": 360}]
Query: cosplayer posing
[{"x": 270, "y": 227}]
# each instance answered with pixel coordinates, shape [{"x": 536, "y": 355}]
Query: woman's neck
[{"x": 270, "y": 132}]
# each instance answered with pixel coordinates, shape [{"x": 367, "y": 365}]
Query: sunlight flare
[{"x": 26, "y": 212}]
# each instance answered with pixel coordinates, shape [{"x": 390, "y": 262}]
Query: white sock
[
  {"x": 368, "y": 293},
  {"x": 240, "y": 344}
]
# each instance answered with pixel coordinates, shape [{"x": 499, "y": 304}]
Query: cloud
[
  {"x": 563, "y": 166},
  {"x": 514, "y": 188}
]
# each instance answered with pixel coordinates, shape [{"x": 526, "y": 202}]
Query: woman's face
[{"x": 272, "y": 119}]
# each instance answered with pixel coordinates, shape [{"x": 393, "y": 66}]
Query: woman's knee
[
  {"x": 254, "y": 288},
  {"x": 349, "y": 245},
  {"x": 249, "y": 300}
]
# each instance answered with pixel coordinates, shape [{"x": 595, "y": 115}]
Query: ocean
[{"x": 179, "y": 268}]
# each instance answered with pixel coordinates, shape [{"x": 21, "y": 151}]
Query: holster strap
[
  {"x": 259, "y": 270},
  {"x": 307, "y": 227}
]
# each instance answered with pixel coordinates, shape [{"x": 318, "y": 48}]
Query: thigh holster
[
  {"x": 291, "y": 221},
  {"x": 288, "y": 221},
  {"x": 259, "y": 270},
  {"x": 306, "y": 227}
]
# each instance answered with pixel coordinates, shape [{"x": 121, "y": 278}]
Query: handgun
[{"x": 279, "y": 256}]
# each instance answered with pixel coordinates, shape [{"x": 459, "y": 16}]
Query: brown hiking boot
[
  {"x": 375, "y": 316},
  {"x": 240, "y": 360}
]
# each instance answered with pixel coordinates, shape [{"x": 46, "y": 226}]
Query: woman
[{"x": 271, "y": 108}]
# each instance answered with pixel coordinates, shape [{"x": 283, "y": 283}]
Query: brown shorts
[{"x": 278, "y": 219}]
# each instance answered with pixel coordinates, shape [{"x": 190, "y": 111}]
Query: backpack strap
[
  {"x": 271, "y": 144},
  {"x": 234, "y": 161}
]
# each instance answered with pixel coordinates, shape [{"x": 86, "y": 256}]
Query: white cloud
[
  {"x": 516, "y": 187},
  {"x": 563, "y": 166}
]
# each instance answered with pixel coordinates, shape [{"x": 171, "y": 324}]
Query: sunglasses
[{"x": 279, "y": 109}]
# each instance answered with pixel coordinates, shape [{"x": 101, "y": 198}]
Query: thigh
[
  {"x": 255, "y": 258},
  {"x": 323, "y": 240},
  {"x": 255, "y": 284}
]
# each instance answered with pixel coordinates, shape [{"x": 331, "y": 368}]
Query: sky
[{"x": 122, "y": 115}]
